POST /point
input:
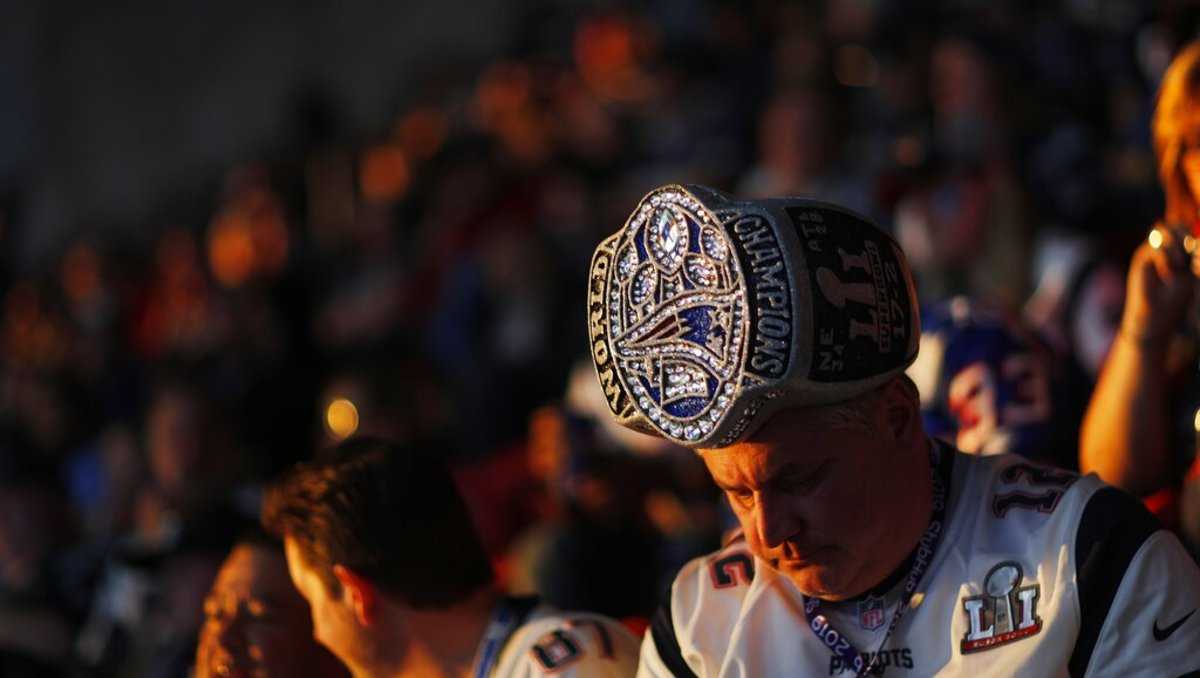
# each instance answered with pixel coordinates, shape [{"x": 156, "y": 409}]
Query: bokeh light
[{"x": 341, "y": 418}]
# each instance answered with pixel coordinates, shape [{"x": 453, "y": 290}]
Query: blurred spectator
[
  {"x": 104, "y": 481},
  {"x": 594, "y": 521},
  {"x": 190, "y": 467},
  {"x": 180, "y": 313},
  {"x": 987, "y": 387},
  {"x": 1141, "y": 427},
  {"x": 800, "y": 152},
  {"x": 35, "y": 630},
  {"x": 599, "y": 502},
  {"x": 963, "y": 227},
  {"x": 146, "y": 612}
]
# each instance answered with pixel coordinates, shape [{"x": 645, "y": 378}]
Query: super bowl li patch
[{"x": 1005, "y": 612}]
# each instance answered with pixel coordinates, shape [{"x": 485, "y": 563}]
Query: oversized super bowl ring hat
[{"x": 706, "y": 314}]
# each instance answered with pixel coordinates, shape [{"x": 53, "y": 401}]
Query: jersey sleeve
[
  {"x": 690, "y": 633},
  {"x": 661, "y": 656},
  {"x": 580, "y": 646},
  {"x": 650, "y": 663},
  {"x": 1138, "y": 594}
]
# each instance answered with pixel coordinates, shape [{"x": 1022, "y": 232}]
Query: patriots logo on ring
[{"x": 677, "y": 315}]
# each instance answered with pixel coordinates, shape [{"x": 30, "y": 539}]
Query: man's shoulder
[
  {"x": 564, "y": 643},
  {"x": 710, "y": 597},
  {"x": 714, "y": 593}
]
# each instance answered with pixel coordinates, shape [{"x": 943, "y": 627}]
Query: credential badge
[{"x": 1005, "y": 612}]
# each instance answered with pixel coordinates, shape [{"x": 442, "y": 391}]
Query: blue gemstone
[
  {"x": 698, "y": 320},
  {"x": 639, "y": 240},
  {"x": 653, "y": 392},
  {"x": 694, "y": 237},
  {"x": 687, "y": 407}
]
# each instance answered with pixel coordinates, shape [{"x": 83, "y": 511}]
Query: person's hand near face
[{"x": 1160, "y": 287}]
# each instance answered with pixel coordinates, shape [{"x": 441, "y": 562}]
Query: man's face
[
  {"x": 334, "y": 624},
  {"x": 255, "y": 623},
  {"x": 1189, "y": 162},
  {"x": 813, "y": 496}
]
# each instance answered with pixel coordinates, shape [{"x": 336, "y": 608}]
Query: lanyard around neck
[{"x": 837, "y": 642}]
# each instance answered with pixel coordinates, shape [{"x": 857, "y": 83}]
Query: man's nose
[
  {"x": 229, "y": 635},
  {"x": 777, "y": 520}
]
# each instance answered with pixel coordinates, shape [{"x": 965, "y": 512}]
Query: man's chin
[{"x": 813, "y": 580}]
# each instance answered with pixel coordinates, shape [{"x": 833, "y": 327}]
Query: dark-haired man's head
[{"x": 374, "y": 525}]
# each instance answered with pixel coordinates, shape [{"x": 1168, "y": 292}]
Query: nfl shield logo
[{"x": 870, "y": 612}]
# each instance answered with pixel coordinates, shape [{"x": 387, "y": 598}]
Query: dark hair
[
  {"x": 390, "y": 513},
  {"x": 253, "y": 534}
]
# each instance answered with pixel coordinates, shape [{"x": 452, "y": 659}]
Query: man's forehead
[
  {"x": 253, "y": 569},
  {"x": 758, "y": 460}
]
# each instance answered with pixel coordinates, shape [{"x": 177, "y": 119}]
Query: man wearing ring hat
[{"x": 771, "y": 336}]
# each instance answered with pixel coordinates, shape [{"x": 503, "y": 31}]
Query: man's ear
[
  {"x": 359, "y": 593},
  {"x": 902, "y": 407}
]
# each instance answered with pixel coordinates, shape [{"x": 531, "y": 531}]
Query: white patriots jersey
[
  {"x": 567, "y": 644},
  {"x": 1040, "y": 572}
]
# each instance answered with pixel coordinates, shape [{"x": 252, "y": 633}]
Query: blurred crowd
[{"x": 430, "y": 277}]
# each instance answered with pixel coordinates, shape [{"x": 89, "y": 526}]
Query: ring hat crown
[{"x": 707, "y": 314}]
